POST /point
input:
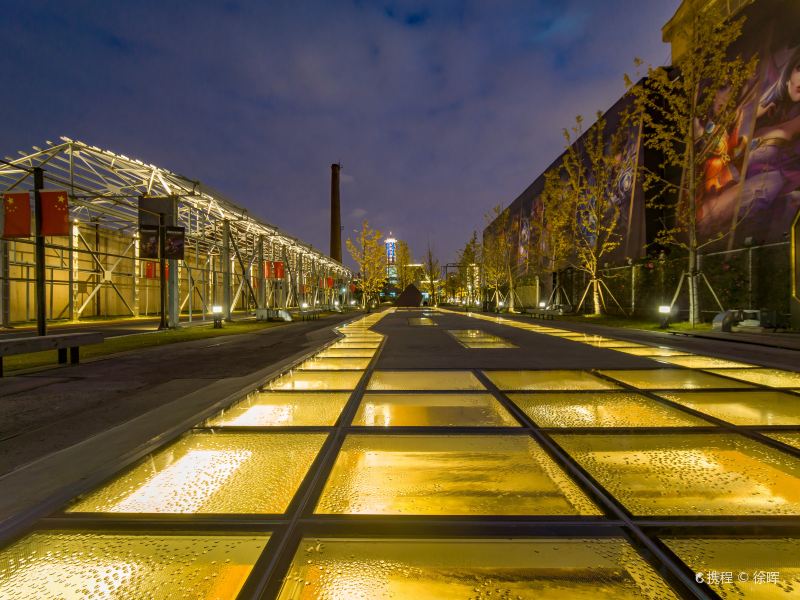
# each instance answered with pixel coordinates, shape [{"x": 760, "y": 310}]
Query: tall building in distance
[{"x": 391, "y": 259}]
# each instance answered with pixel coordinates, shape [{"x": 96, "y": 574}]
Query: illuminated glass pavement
[{"x": 342, "y": 478}]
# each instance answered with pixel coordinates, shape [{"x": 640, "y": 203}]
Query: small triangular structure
[{"x": 410, "y": 297}]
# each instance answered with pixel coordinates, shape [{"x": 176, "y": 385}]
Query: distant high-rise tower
[
  {"x": 391, "y": 258},
  {"x": 336, "y": 214}
]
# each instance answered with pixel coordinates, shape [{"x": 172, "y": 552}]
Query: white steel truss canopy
[{"x": 104, "y": 188}]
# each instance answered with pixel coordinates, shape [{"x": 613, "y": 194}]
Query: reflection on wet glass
[
  {"x": 704, "y": 362},
  {"x": 424, "y": 380},
  {"x": 70, "y": 564},
  {"x": 769, "y": 377},
  {"x": 442, "y": 410},
  {"x": 347, "y": 353},
  {"x": 666, "y": 379},
  {"x": 477, "y": 338},
  {"x": 690, "y": 474},
  {"x": 212, "y": 473},
  {"x": 743, "y": 408},
  {"x": 749, "y": 560},
  {"x": 421, "y": 322},
  {"x": 283, "y": 409},
  {"x": 789, "y": 438},
  {"x": 547, "y": 380},
  {"x": 333, "y": 364},
  {"x": 529, "y": 569},
  {"x": 614, "y": 344},
  {"x": 316, "y": 380},
  {"x": 449, "y": 475},
  {"x": 652, "y": 352},
  {"x": 601, "y": 409}
]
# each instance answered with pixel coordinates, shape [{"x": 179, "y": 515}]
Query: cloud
[{"x": 438, "y": 111}]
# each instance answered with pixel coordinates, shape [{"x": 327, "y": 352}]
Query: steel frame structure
[{"x": 226, "y": 242}]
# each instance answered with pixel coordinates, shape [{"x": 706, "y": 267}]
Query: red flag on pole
[
  {"x": 17, "y": 214},
  {"x": 277, "y": 269},
  {"x": 55, "y": 212},
  {"x": 268, "y": 269},
  {"x": 329, "y": 282}
]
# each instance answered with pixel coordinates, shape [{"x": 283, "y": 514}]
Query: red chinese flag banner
[
  {"x": 329, "y": 282},
  {"x": 55, "y": 212},
  {"x": 16, "y": 214},
  {"x": 268, "y": 269},
  {"x": 277, "y": 269}
]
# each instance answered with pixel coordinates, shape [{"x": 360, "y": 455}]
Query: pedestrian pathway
[{"x": 635, "y": 471}]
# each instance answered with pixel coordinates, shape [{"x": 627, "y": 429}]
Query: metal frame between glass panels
[{"x": 299, "y": 521}]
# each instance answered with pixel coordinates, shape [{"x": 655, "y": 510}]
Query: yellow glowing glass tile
[
  {"x": 441, "y": 410},
  {"x": 690, "y": 474},
  {"x": 78, "y": 564},
  {"x": 769, "y": 377},
  {"x": 760, "y": 568},
  {"x": 212, "y": 473},
  {"x": 449, "y": 569},
  {"x": 614, "y": 344},
  {"x": 647, "y": 351},
  {"x": 283, "y": 409},
  {"x": 449, "y": 475},
  {"x": 346, "y": 353},
  {"x": 666, "y": 379},
  {"x": 424, "y": 380},
  {"x": 547, "y": 380},
  {"x": 421, "y": 322},
  {"x": 316, "y": 380},
  {"x": 703, "y": 362},
  {"x": 601, "y": 409},
  {"x": 354, "y": 345},
  {"x": 743, "y": 408},
  {"x": 789, "y": 438},
  {"x": 333, "y": 364}
]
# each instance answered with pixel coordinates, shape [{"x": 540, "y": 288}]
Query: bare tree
[
  {"x": 432, "y": 271},
  {"x": 469, "y": 260},
  {"x": 589, "y": 170},
  {"x": 498, "y": 255},
  {"x": 370, "y": 256},
  {"x": 687, "y": 112},
  {"x": 403, "y": 260}
]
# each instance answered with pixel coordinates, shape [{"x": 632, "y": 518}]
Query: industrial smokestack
[{"x": 336, "y": 216}]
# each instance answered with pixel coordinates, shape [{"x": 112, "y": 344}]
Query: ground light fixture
[
  {"x": 216, "y": 311},
  {"x": 542, "y": 304},
  {"x": 664, "y": 310},
  {"x": 304, "y": 305}
]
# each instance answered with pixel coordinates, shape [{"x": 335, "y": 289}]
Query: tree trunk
[{"x": 598, "y": 309}]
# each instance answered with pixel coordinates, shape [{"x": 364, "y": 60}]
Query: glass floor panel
[
  {"x": 283, "y": 409},
  {"x": 703, "y": 362},
  {"x": 316, "y": 380},
  {"x": 690, "y": 474},
  {"x": 760, "y": 568},
  {"x": 421, "y": 322},
  {"x": 527, "y": 569},
  {"x": 769, "y": 377},
  {"x": 333, "y": 364},
  {"x": 212, "y": 473},
  {"x": 438, "y": 410},
  {"x": 354, "y": 344},
  {"x": 789, "y": 438},
  {"x": 449, "y": 475},
  {"x": 424, "y": 380},
  {"x": 652, "y": 352},
  {"x": 347, "y": 353},
  {"x": 666, "y": 379},
  {"x": 743, "y": 408},
  {"x": 547, "y": 380},
  {"x": 613, "y": 344},
  {"x": 77, "y": 564},
  {"x": 601, "y": 409}
]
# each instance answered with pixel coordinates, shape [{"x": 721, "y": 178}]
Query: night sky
[{"x": 437, "y": 110}]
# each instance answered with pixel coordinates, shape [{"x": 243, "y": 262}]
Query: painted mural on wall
[{"x": 751, "y": 182}]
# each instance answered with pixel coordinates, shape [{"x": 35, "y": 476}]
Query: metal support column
[
  {"x": 135, "y": 278},
  {"x": 41, "y": 314},
  {"x": 5, "y": 286},
  {"x": 173, "y": 283},
  {"x": 262, "y": 281},
  {"x": 225, "y": 259}
]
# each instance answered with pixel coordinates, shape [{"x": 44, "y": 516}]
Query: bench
[
  {"x": 309, "y": 314},
  {"x": 538, "y": 313},
  {"x": 59, "y": 341}
]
